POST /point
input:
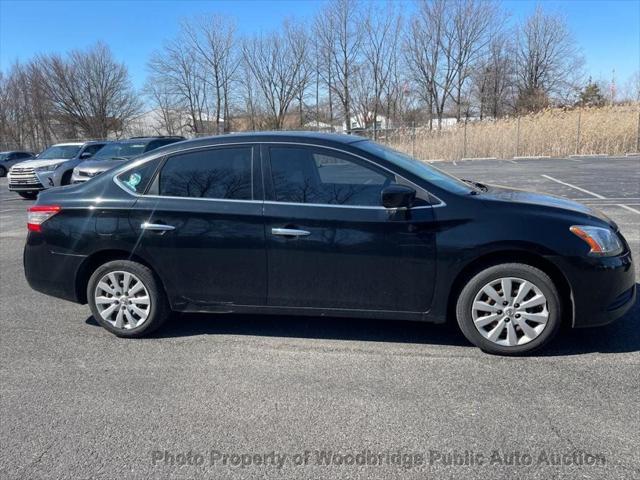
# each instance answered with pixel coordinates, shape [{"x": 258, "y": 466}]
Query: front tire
[
  {"x": 3, "y": 171},
  {"x": 28, "y": 195},
  {"x": 126, "y": 298},
  {"x": 509, "y": 309}
]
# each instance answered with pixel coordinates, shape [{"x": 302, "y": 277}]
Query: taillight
[{"x": 38, "y": 214}]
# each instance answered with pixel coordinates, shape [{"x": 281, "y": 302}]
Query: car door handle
[
  {"x": 156, "y": 227},
  {"x": 289, "y": 232}
]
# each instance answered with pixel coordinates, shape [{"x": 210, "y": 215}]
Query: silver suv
[{"x": 51, "y": 168}]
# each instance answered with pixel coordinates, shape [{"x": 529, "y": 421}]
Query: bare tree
[
  {"x": 89, "y": 90},
  {"x": 278, "y": 64},
  {"x": 213, "y": 39},
  {"x": 176, "y": 68},
  {"x": 379, "y": 57},
  {"x": 473, "y": 22},
  {"x": 548, "y": 62},
  {"x": 341, "y": 37},
  {"x": 430, "y": 56},
  {"x": 494, "y": 78}
]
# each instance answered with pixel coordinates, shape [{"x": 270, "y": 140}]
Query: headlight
[
  {"x": 47, "y": 168},
  {"x": 602, "y": 241}
]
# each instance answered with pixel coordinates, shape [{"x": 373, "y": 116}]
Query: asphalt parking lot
[{"x": 77, "y": 402}]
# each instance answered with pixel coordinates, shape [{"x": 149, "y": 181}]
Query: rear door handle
[
  {"x": 156, "y": 227},
  {"x": 289, "y": 232}
]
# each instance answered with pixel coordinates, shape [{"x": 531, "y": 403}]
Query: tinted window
[
  {"x": 308, "y": 175},
  {"x": 223, "y": 173},
  {"x": 120, "y": 150},
  {"x": 137, "y": 179},
  {"x": 92, "y": 149},
  {"x": 418, "y": 168}
]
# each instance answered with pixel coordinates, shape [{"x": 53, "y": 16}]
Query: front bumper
[
  {"x": 603, "y": 289},
  {"x": 28, "y": 180}
]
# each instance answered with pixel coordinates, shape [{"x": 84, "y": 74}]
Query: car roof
[
  {"x": 278, "y": 136},
  {"x": 15, "y": 151},
  {"x": 78, "y": 144}
]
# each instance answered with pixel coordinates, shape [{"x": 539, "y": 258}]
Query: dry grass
[{"x": 609, "y": 130}]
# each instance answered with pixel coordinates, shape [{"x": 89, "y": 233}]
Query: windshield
[
  {"x": 428, "y": 172},
  {"x": 60, "y": 151},
  {"x": 3, "y": 156},
  {"x": 119, "y": 150}
]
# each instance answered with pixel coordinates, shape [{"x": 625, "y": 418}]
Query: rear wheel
[
  {"x": 29, "y": 195},
  {"x": 126, "y": 298},
  {"x": 509, "y": 309}
]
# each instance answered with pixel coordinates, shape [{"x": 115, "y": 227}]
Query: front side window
[
  {"x": 219, "y": 173},
  {"x": 421, "y": 169},
  {"x": 314, "y": 175}
]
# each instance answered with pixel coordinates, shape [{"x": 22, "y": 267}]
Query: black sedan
[{"x": 300, "y": 223}]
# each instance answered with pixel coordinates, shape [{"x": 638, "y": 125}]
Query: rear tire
[
  {"x": 509, "y": 309},
  {"x": 127, "y": 299},
  {"x": 29, "y": 195}
]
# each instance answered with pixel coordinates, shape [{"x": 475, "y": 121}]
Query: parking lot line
[
  {"x": 573, "y": 186},
  {"x": 627, "y": 207}
]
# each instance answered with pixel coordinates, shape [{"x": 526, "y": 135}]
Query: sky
[{"x": 608, "y": 32}]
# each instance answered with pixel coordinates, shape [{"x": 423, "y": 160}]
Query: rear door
[
  {"x": 330, "y": 243},
  {"x": 201, "y": 225}
]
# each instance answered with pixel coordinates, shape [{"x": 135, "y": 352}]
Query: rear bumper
[
  {"x": 51, "y": 272},
  {"x": 603, "y": 289}
]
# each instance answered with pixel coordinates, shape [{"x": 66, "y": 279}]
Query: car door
[
  {"x": 201, "y": 225},
  {"x": 330, "y": 243}
]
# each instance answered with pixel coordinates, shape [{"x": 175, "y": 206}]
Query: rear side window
[
  {"x": 220, "y": 173},
  {"x": 313, "y": 175},
  {"x": 138, "y": 179}
]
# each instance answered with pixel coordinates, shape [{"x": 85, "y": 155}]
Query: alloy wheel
[
  {"x": 510, "y": 311},
  {"x": 122, "y": 300}
]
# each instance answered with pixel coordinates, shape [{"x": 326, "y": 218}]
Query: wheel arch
[
  {"x": 514, "y": 256},
  {"x": 93, "y": 261}
]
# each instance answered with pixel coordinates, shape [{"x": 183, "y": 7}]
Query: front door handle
[
  {"x": 289, "y": 232},
  {"x": 156, "y": 227}
]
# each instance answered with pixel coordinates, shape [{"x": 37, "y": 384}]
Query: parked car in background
[
  {"x": 51, "y": 168},
  {"x": 115, "y": 153},
  {"x": 336, "y": 225},
  {"x": 8, "y": 159}
]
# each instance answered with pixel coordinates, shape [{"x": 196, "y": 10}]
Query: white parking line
[
  {"x": 627, "y": 207},
  {"x": 573, "y": 186}
]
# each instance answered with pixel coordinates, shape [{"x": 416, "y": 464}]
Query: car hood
[
  {"x": 512, "y": 195},
  {"x": 35, "y": 163},
  {"x": 99, "y": 165}
]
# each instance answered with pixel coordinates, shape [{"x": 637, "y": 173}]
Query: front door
[
  {"x": 330, "y": 243},
  {"x": 201, "y": 225}
]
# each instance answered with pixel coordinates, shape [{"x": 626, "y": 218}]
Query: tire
[
  {"x": 66, "y": 178},
  {"x": 29, "y": 195},
  {"x": 528, "y": 322},
  {"x": 123, "y": 320},
  {"x": 3, "y": 172}
]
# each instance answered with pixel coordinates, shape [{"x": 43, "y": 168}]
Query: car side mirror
[
  {"x": 85, "y": 155},
  {"x": 398, "y": 196}
]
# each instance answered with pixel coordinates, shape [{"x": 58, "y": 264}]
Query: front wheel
[
  {"x": 126, "y": 298},
  {"x": 509, "y": 309}
]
